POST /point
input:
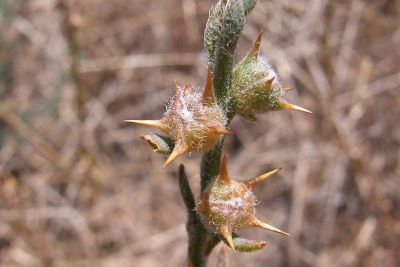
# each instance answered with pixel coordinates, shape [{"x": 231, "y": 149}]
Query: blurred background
[{"x": 78, "y": 187}]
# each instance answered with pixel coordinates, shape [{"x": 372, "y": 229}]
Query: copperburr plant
[
  {"x": 197, "y": 120},
  {"x": 228, "y": 205},
  {"x": 193, "y": 120}
]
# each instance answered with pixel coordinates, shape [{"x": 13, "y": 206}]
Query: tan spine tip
[
  {"x": 152, "y": 123},
  {"x": 255, "y": 50},
  {"x": 288, "y": 106},
  {"x": 175, "y": 82},
  {"x": 258, "y": 223},
  {"x": 256, "y": 181},
  {"x": 219, "y": 130},
  {"x": 227, "y": 234},
  {"x": 223, "y": 172},
  {"x": 269, "y": 82},
  {"x": 208, "y": 94},
  {"x": 174, "y": 154}
]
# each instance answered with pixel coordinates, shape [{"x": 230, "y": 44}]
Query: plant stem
[
  {"x": 221, "y": 47},
  {"x": 210, "y": 165}
]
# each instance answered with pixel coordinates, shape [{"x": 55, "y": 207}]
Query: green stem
[
  {"x": 222, "y": 80},
  {"x": 198, "y": 235},
  {"x": 222, "y": 33},
  {"x": 210, "y": 166}
]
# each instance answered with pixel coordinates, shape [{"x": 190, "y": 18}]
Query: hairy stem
[
  {"x": 222, "y": 80},
  {"x": 222, "y": 33},
  {"x": 210, "y": 165}
]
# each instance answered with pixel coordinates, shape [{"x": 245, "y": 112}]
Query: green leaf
[
  {"x": 159, "y": 143},
  {"x": 212, "y": 32},
  {"x": 245, "y": 245},
  {"x": 186, "y": 192}
]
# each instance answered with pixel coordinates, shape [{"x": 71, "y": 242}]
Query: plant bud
[
  {"x": 256, "y": 87},
  {"x": 213, "y": 29},
  {"x": 193, "y": 120},
  {"x": 224, "y": 25},
  {"x": 228, "y": 205}
]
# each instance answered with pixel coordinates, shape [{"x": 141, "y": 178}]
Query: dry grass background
[{"x": 79, "y": 188}]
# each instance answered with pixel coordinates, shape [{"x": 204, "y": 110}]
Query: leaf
[
  {"x": 159, "y": 143},
  {"x": 246, "y": 245}
]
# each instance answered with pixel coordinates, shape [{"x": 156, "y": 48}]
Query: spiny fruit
[
  {"x": 256, "y": 88},
  {"x": 228, "y": 205},
  {"x": 193, "y": 120}
]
